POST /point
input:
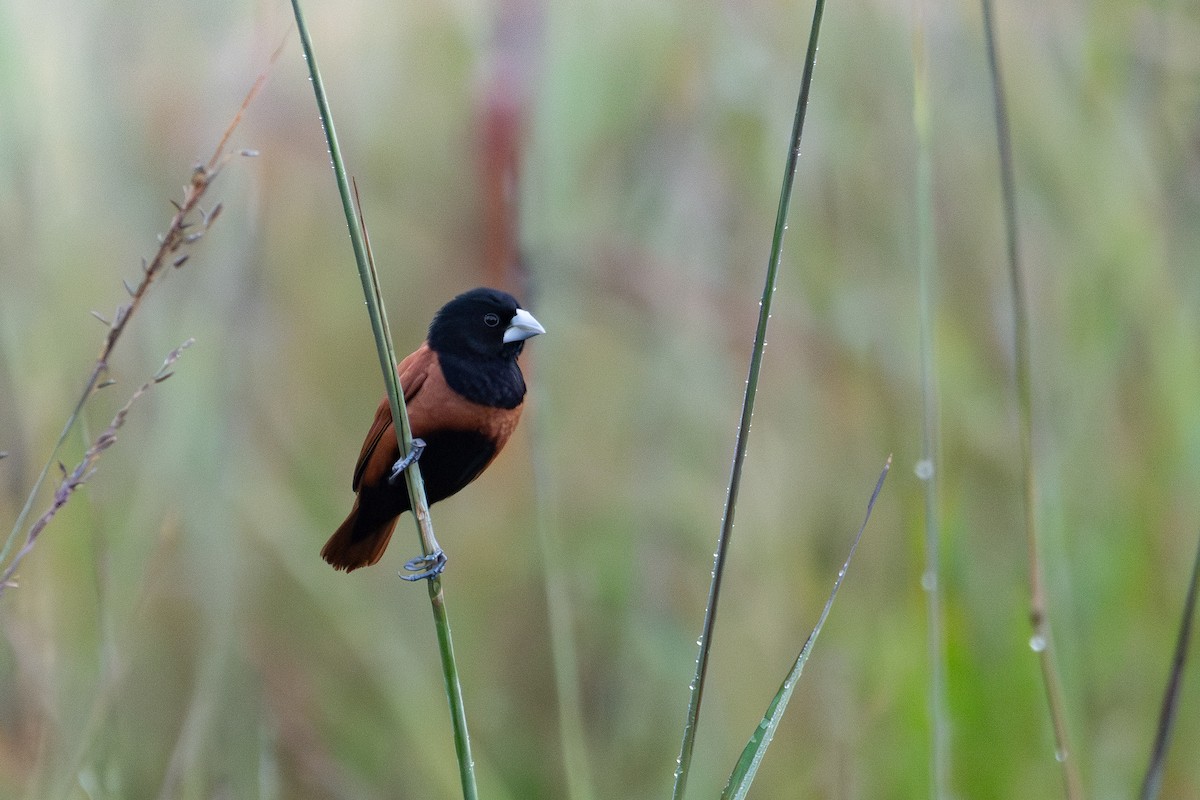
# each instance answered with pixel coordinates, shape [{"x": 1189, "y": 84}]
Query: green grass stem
[
  {"x": 752, "y": 755},
  {"x": 387, "y": 362},
  {"x": 565, "y": 655},
  {"x": 1042, "y": 639},
  {"x": 691, "y": 720},
  {"x": 1170, "y": 703},
  {"x": 929, "y": 465}
]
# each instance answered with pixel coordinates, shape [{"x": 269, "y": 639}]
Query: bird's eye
[{"x": 491, "y": 320}]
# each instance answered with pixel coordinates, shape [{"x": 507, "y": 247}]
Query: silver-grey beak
[{"x": 523, "y": 326}]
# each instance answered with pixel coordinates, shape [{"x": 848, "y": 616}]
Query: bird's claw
[
  {"x": 429, "y": 566},
  {"x": 418, "y": 447}
]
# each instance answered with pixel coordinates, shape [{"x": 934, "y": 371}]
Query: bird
[{"x": 464, "y": 392}]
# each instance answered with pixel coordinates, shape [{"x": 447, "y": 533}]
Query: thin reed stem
[
  {"x": 1042, "y": 640},
  {"x": 562, "y": 639},
  {"x": 928, "y": 466},
  {"x": 387, "y": 362},
  {"x": 691, "y": 720},
  {"x": 1170, "y": 703}
]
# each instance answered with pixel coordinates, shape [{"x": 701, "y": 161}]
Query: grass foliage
[{"x": 175, "y": 633}]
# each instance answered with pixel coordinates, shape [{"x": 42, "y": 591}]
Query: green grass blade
[
  {"x": 387, "y": 362},
  {"x": 1039, "y": 611},
  {"x": 564, "y": 653},
  {"x": 752, "y": 756},
  {"x": 1170, "y": 703},
  {"x": 691, "y": 720},
  {"x": 930, "y": 463}
]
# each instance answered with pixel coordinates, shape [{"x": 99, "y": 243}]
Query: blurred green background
[{"x": 176, "y": 635}]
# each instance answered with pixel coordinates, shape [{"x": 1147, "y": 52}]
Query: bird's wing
[{"x": 412, "y": 372}]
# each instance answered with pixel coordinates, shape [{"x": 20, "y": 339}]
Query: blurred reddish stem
[{"x": 502, "y": 113}]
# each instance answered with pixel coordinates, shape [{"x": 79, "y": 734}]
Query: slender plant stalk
[
  {"x": 927, "y": 468},
  {"x": 1042, "y": 640},
  {"x": 752, "y": 755},
  {"x": 387, "y": 362},
  {"x": 1170, "y": 704},
  {"x": 684, "y": 762},
  {"x": 562, "y": 640},
  {"x": 387, "y": 355}
]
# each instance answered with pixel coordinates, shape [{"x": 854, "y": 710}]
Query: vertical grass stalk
[
  {"x": 387, "y": 363},
  {"x": 562, "y": 639},
  {"x": 928, "y": 466},
  {"x": 1170, "y": 704},
  {"x": 691, "y": 720},
  {"x": 1041, "y": 640}
]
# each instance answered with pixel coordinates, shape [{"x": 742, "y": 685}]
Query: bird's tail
[{"x": 359, "y": 541}]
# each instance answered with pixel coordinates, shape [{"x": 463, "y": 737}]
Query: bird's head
[{"x": 482, "y": 324}]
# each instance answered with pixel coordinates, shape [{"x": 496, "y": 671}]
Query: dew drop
[
  {"x": 929, "y": 581},
  {"x": 924, "y": 469},
  {"x": 1037, "y": 643}
]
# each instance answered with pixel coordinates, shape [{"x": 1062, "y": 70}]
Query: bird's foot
[
  {"x": 418, "y": 447},
  {"x": 429, "y": 566}
]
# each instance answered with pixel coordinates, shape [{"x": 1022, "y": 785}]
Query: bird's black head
[
  {"x": 478, "y": 336},
  {"x": 482, "y": 324}
]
